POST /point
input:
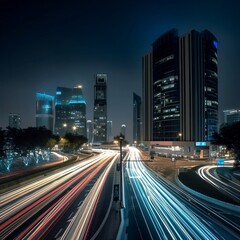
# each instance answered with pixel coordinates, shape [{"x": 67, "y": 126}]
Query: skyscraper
[
  {"x": 44, "y": 111},
  {"x": 147, "y": 95},
  {"x": 166, "y": 109},
  {"x": 109, "y": 131},
  {"x": 137, "y": 119},
  {"x": 14, "y": 120},
  {"x": 184, "y": 86},
  {"x": 198, "y": 85},
  {"x": 231, "y": 116},
  {"x": 100, "y": 108},
  {"x": 70, "y": 111},
  {"x": 123, "y": 130},
  {"x": 90, "y": 131}
]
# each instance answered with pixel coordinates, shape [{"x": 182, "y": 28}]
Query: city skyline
[{"x": 45, "y": 45}]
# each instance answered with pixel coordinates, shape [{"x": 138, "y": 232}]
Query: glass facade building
[
  {"x": 44, "y": 111},
  {"x": 147, "y": 93},
  {"x": 184, "y": 87},
  {"x": 100, "y": 109},
  {"x": 231, "y": 116},
  {"x": 198, "y": 86},
  {"x": 70, "y": 111},
  {"x": 166, "y": 105}
]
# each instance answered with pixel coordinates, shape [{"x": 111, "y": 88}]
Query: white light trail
[{"x": 171, "y": 219}]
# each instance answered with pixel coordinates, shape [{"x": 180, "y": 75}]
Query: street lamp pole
[{"x": 121, "y": 180}]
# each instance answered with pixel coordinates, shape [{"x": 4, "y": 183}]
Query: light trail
[
  {"x": 29, "y": 199},
  {"x": 166, "y": 216},
  {"x": 17, "y": 193},
  {"x": 78, "y": 227},
  {"x": 230, "y": 188}
]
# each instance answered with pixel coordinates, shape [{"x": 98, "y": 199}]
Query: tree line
[
  {"x": 34, "y": 142},
  {"x": 229, "y": 136}
]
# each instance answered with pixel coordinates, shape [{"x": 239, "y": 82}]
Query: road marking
[
  {"x": 56, "y": 236},
  {"x": 70, "y": 216},
  {"x": 136, "y": 176}
]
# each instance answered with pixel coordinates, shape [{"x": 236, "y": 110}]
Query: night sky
[{"x": 46, "y": 44}]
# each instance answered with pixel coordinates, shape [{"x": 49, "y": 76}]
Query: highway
[
  {"x": 230, "y": 187},
  {"x": 164, "y": 211},
  {"x": 60, "y": 205}
]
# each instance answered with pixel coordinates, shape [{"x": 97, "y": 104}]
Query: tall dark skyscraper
[
  {"x": 70, "y": 111},
  {"x": 166, "y": 109},
  {"x": 137, "y": 118},
  {"x": 100, "y": 109},
  {"x": 184, "y": 86},
  {"x": 44, "y": 111},
  {"x": 147, "y": 95}
]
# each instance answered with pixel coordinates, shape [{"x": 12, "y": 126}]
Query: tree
[
  {"x": 229, "y": 136},
  {"x": 73, "y": 142},
  {"x": 2, "y": 142}
]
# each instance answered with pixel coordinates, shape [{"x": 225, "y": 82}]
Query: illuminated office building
[
  {"x": 44, "y": 111},
  {"x": 70, "y": 111},
  {"x": 231, "y": 116},
  {"x": 147, "y": 95},
  {"x": 14, "y": 120},
  {"x": 100, "y": 109},
  {"x": 184, "y": 86}
]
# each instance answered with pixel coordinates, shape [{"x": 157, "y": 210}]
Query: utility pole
[{"x": 121, "y": 172}]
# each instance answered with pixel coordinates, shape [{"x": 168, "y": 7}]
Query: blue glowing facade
[
  {"x": 44, "y": 110},
  {"x": 70, "y": 111}
]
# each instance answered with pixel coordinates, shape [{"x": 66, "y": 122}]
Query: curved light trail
[
  {"x": 229, "y": 187},
  {"x": 165, "y": 214}
]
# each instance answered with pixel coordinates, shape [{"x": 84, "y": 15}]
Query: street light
[
  {"x": 121, "y": 183},
  {"x": 74, "y": 128},
  {"x": 180, "y": 135}
]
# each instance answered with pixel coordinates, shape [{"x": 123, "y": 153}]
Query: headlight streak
[
  {"x": 231, "y": 188},
  {"x": 62, "y": 205},
  {"x": 12, "y": 211},
  {"x": 169, "y": 216},
  {"x": 78, "y": 227},
  {"x": 17, "y": 193}
]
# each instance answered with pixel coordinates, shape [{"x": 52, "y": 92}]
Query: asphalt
[{"x": 110, "y": 229}]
